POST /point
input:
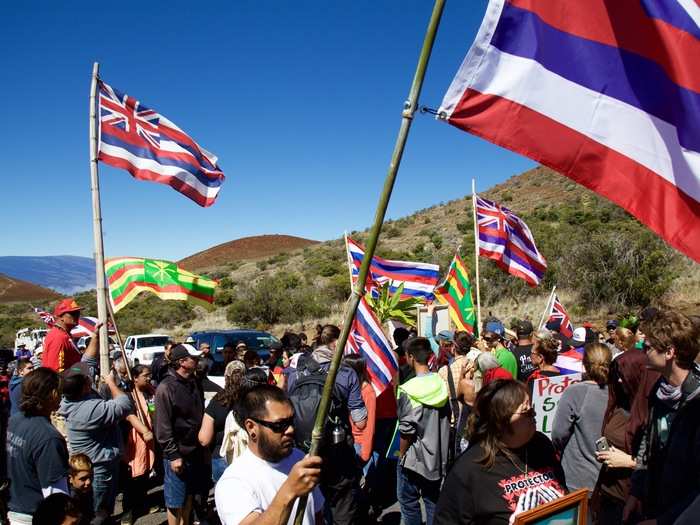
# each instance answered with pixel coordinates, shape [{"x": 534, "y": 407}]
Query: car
[
  {"x": 257, "y": 340},
  {"x": 85, "y": 340},
  {"x": 142, "y": 348}
]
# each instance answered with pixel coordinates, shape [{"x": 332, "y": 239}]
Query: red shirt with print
[{"x": 59, "y": 350}]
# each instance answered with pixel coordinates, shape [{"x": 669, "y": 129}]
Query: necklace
[{"x": 512, "y": 460}]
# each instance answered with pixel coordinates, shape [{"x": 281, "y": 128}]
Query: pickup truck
[{"x": 142, "y": 348}]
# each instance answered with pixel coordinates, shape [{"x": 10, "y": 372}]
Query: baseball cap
[
  {"x": 612, "y": 323},
  {"x": 184, "y": 350},
  {"x": 65, "y": 306},
  {"x": 190, "y": 340},
  {"x": 446, "y": 335},
  {"x": 579, "y": 337},
  {"x": 78, "y": 369},
  {"x": 241, "y": 344},
  {"x": 115, "y": 354},
  {"x": 524, "y": 328},
  {"x": 496, "y": 327}
]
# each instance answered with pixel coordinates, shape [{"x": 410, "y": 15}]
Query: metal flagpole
[
  {"x": 97, "y": 227},
  {"x": 476, "y": 258},
  {"x": 409, "y": 110},
  {"x": 547, "y": 308}
]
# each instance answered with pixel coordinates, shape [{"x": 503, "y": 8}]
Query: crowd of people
[{"x": 453, "y": 439}]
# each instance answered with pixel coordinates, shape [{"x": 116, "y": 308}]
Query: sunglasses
[{"x": 278, "y": 427}]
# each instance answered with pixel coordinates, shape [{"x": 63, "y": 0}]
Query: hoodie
[
  {"x": 15, "y": 393},
  {"x": 424, "y": 415}
]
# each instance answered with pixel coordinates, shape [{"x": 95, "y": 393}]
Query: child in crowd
[{"x": 80, "y": 479}]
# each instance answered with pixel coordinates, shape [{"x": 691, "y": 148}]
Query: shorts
[{"x": 193, "y": 480}]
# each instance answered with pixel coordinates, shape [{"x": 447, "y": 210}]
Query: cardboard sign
[{"x": 546, "y": 394}]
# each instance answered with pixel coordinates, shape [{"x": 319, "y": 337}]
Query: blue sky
[{"x": 300, "y": 100}]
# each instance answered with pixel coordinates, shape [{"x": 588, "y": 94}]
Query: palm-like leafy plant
[{"x": 390, "y": 306}]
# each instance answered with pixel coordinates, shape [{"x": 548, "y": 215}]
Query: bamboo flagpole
[
  {"x": 97, "y": 226},
  {"x": 547, "y": 308},
  {"x": 476, "y": 258},
  {"x": 358, "y": 290}
]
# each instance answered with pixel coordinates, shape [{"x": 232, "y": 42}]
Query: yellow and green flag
[
  {"x": 129, "y": 276},
  {"x": 456, "y": 292}
]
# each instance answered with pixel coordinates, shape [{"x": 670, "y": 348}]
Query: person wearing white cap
[{"x": 180, "y": 409}]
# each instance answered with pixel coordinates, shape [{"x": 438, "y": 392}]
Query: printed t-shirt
[
  {"x": 59, "y": 350},
  {"x": 525, "y": 366},
  {"x": 37, "y": 458},
  {"x": 250, "y": 483},
  {"x": 473, "y": 494}
]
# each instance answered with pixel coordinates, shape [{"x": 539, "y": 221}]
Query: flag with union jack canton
[
  {"x": 558, "y": 314},
  {"x": 150, "y": 147},
  {"x": 505, "y": 238},
  {"x": 367, "y": 339}
]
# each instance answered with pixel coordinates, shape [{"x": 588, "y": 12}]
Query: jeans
[
  {"x": 410, "y": 488},
  {"x": 105, "y": 479},
  {"x": 218, "y": 465}
]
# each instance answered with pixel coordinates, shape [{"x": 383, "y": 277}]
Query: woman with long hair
[
  {"x": 543, "y": 356},
  {"x": 629, "y": 385},
  {"x": 211, "y": 432},
  {"x": 579, "y": 418},
  {"x": 508, "y": 468},
  {"x": 363, "y": 437}
]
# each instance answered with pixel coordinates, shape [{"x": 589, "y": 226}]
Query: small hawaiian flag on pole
[
  {"x": 129, "y": 276},
  {"x": 150, "y": 147},
  {"x": 559, "y": 315}
]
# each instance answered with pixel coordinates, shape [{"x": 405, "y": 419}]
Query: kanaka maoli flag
[
  {"x": 150, "y": 147},
  {"x": 607, "y": 92}
]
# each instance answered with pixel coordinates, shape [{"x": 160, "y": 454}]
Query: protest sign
[{"x": 546, "y": 394}]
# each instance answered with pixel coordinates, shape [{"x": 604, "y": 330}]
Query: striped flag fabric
[
  {"x": 367, "y": 339},
  {"x": 129, "y": 276},
  {"x": 419, "y": 279},
  {"x": 45, "y": 316},
  {"x": 570, "y": 361},
  {"x": 605, "y": 92},
  {"x": 559, "y": 315},
  {"x": 456, "y": 292},
  {"x": 86, "y": 327},
  {"x": 505, "y": 238},
  {"x": 150, "y": 147}
]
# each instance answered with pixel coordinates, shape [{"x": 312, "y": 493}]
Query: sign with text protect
[{"x": 546, "y": 393}]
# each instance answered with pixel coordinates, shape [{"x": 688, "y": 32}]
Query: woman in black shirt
[{"x": 508, "y": 468}]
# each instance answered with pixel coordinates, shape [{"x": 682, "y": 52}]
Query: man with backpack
[
  {"x": 341, "y": 474},
  {"x": 424, "y": 428}
]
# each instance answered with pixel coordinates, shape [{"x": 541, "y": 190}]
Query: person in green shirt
[{"x": 494, "y": 337}]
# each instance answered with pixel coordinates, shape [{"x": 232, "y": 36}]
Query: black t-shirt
[
  {"x": 473, "y": 495},
  {"x": 218, "y": 413},
  {"x": 522, "y": 356},
  {"x": 37, "y": 458}
]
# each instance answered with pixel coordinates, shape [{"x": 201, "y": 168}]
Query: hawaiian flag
[
  {"x": 150, "y": 147},
  {"x": 606, "y": 92},
  {"x": 367, "y": 339},
  {"x": 559, "y": 315},
  {"x": 419, "y": 279},
  {"x": 505, "y": 238},
  {"x": 86, "y": 327},
  {"x": 45, "y": 316}
]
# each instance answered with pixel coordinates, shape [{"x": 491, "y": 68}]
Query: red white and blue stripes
[
  {"x": 558, "y": 313},
  {"x": 150, "y": 147},
  {"x": 419, "y": 279},
  {"x": 505, "y": 238},
  {"x": 367, "y": 339},
  {"x": 607, "y": 93}
]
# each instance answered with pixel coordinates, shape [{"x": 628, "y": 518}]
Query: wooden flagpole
[
  {"x": 547, "y": 308},
  {"x": 476, "y": 257},
  {"x": 358, "y": 291},
  {"x": 97, "y": 226}
]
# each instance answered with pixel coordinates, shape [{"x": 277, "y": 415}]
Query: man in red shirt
[{"x": 60, "y": 351}]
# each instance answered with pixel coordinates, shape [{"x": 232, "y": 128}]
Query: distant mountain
[
  {"x": 246, "y": 248},
  {"x": 15, "y": 290},
  {"x": 67, "y": 274}
]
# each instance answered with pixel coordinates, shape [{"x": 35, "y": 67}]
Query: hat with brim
[
  {"x": 445, "y": 335},
  {"x": 184, "y": 350},
  {"x": 66, "y": 306}
]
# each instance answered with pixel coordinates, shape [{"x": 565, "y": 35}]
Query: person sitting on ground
[
  {"x": 494, "y": 337},
  {"x": 57, "y": 509},
  {"x": 509, "y": 466},
  {"x": 270, "y": 476},
  {"x": 579, "y": 418},
  {"x": 36, "y": 452},
  {"x": 80, "y": 479},
  {"x": 544, "y": 354},
  {"x": 24, "y": 367}
]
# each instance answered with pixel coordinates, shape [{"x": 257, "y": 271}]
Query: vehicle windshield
[
  {"x": 158, "y": 340},
  {"x": 254, "y": 340}
]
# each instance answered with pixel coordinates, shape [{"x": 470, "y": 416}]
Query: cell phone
[{"x": 602, "y": 445}]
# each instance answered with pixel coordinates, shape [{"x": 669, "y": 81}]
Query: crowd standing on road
[{"x": 453, "y": 439}]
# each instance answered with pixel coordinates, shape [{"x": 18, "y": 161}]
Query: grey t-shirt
[{"x": 577, "y": 426}]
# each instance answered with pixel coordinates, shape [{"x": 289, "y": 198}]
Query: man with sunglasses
[
  {"x": 262, "y": 485},
  {"x": 60, "y": 351}
]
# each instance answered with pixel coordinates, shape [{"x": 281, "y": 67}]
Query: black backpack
[{"x": 305, "y": 396}]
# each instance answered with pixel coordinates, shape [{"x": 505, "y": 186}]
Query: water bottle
[{"x": 338, "y": 435}]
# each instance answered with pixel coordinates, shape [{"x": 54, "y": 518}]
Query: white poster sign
[{"x": 546, "y": 394}]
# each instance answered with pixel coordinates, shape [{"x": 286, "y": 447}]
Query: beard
[{"x": 271, "y": 451}]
